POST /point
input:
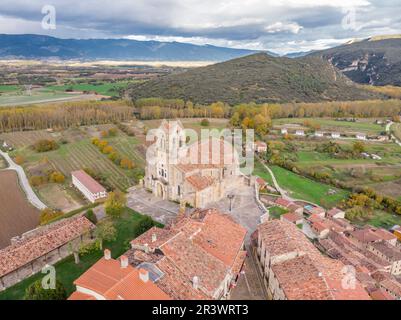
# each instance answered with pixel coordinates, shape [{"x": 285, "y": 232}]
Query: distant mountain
[
  {"x": 256, "y": 78},
  {"x": 375, "y": 61},
  {"x": 44, "y": 47},
  {"x": 298, "y": 54}
]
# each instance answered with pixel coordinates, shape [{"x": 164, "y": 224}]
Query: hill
[
  {"x": 375, "y": 61},
  {"x": 44, "y": 47},
  {"x": 257, "y": 78}
]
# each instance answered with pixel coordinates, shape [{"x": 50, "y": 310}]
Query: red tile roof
[
  {"x": 41, "y": 242},
  {"x": 91, "y": 184},
  {"x": 333, "y": 212},
  {"x": 108, "y": 279},
  {"x": 381, "y": 294},
  {"x": 283, "y": 202},
  {"x": 199, "y": 182},
  {"x": 309, "y": 275},
  {"x": 292, "y": 217},
  {"x": 208, "y": 246}
]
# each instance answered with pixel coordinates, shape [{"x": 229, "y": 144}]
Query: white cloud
[{"x": 292, "y": 27}]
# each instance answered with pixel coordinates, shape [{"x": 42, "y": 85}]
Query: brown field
[
  {"x": 60, "y": 197},
  {"x": 16, "y": 214}
]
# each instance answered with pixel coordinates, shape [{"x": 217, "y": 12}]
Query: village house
[
  {"x": 293, "y": 217},
  {"x": 197, "y": 257},
  {"x": 319, "y": 134},
  {"x": 361, "y": 136},
  {"x": 198, "y": 174},
  {"x": 110, "y": 279},
  {"x": 89, "y": 187},
  {"x": 28, "y": 254},
  {"x": 317, "y": 211},
  {"x": 289, "y": 205},
  {"x": 368, "y": 235},
  {"x": 389, "y": 253},
  {"x": 335, "y": 214},
  {"x": 260, "y": 147},
  {"x": 335, "y": 135},
  {"x": 284, "y": 131},
  {"x": 293, "y": 269},
  {"x": 300, "y": 133}
]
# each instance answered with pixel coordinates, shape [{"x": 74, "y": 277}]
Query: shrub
[
  {"x": 57, "y": 177},
  {"x": 36, "y": 292},
  {"x": 45, "y": 145},
  {"x": 19, "y": 160},
  {"x": 205, "y": 122},
  {"x": 48, "y": 215},
  {"x": 126, "y": 163}
]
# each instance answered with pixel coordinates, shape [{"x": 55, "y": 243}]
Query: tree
[
  {"x": 105, "y": 231},
  {"x": 358, "y": 147},
  {"x": 36, "y": 292},
  {"x": 19, "y": 160},
  {"x": 57, "y": 177},
  {"x": 145, "y": 224},
  {"x": 48, "y": 215},
  {"x": 205, "y": 123},
  {"x": 115, "y": 204},
  {"x": 126, "y": 163}
]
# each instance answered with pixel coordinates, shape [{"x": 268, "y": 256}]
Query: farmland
[
  {"x": 16, "y": 214},
  {"x": 366, "y": 126},
  {"x": 75, "y": 152}
]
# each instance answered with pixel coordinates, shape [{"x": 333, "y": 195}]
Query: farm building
[
  {"x": 336, "y": 135},
  {"x": 361, "y": 136},
  {"x": 90, "y": 188},
  {"x": 319, "y": 134},
  {"x": 300, "y": 133},
  {"x": 260, "y": 146},
  {"x": 28, "y": 254}
]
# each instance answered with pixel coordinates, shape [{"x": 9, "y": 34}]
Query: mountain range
[
  {"x": 45, "y": 47},
  {"x": 375, "y": 61}
]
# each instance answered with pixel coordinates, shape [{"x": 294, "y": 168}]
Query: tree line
[{"x": 63, "y": 115}]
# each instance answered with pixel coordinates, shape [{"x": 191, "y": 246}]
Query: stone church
[{"x": 196, "y": 173}]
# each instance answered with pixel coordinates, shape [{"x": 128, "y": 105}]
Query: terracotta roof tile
[{"x": 43, "y": 241}]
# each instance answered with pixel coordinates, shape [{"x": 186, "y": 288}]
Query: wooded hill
[{"x": 257, "y": 78}]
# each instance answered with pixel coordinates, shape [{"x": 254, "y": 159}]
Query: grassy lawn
[
  {"x": 261, "y": 172},
  {"x": 276, "y": 212},
  {"x": 67, "y": 271},
  {"x": 307, "y": 189},
  {"x": 381, "y": 219}
]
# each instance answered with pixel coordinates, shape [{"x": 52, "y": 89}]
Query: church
[{"x": 197, "y": 173}]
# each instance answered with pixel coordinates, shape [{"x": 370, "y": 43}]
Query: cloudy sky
[{"x": 277, "y": 25}]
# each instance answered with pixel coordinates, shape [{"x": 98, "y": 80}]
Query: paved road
[{"x": 23, "y": 181}]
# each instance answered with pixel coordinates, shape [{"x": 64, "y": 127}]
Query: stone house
[{"x": 30, "y": 253}]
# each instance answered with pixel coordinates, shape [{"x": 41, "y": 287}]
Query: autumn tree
[
  {"x": 115, "y": 203},
  {"x": 105, "y": 231}
]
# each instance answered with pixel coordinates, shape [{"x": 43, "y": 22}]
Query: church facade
[{"x": 198, "y": 174}]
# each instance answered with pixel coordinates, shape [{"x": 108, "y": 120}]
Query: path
[
  {"x": 23, "y": 181},
  {"x": 388, "y": 127},
  {"x": 282, "y": 192}
]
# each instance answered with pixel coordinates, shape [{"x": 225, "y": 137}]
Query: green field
[
  {"x": 362, "y": 125},
  {"x": 67, "y": 271},
  {"x": 306, "y": 189},
  {"x": 9, "y": 88},
  {"x": 103, "y": 88}
]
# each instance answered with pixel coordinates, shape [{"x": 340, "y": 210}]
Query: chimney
[
  {"x": 195, "y": 282},
  {"x": 154, "y": 237},
  {"x": 144, "y": 275},
  {"x": 124, "y": 262},
  {"x": 146, "y": 248},
  {"x": 107, "y": 254}
]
